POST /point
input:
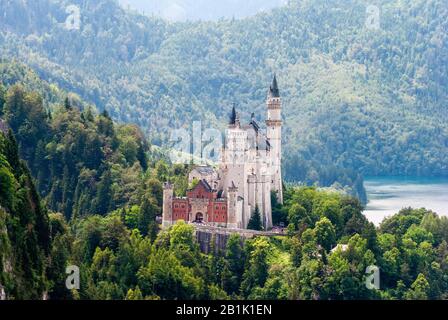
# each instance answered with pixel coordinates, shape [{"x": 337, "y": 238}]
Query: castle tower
[
  {"x": 267, "y": 206},
  {"x": 168, "y": 192},
  {"x": 235, "y": 154},
  {"x": 251, "y": 197},
  {"x": 274, "y": 135},
  {"x": 232, "y": 208}
]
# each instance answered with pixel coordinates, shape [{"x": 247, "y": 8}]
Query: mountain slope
[
  {"x": 180, "y": 10},
  {"x": 355, "y": 99},
  {"x": 24, "y": 228}
]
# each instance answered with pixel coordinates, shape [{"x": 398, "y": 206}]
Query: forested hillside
[
  {"x": 25, "y": 241},
  {"x": 97, "y": 196},
  {"x": 181, "y": 10},
  {"x": 356, "y": 100},
  {"x": 83, "y": 162},
  {"x": 81, "y": 165}
]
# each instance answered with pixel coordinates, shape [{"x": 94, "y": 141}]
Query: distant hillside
[
  {"x": 356, "y": 100},
  {"x": 181, "y": 10}
]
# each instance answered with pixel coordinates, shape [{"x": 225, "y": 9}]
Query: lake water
[{"x": 388, "y": 195}]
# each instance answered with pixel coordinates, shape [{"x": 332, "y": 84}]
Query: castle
[{"x": 249, "y": 171}]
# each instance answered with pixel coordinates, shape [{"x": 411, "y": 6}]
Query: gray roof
[
  {"x": 206, "y": 185},
  {"x": 204, "y": 170},
  {"x": 257, "y": 139},
  {"x": 203, "y": 183},
  {"x": 255, "y": 125},
  {"x": 263, "y": 144}
]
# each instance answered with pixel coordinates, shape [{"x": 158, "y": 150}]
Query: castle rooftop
[{"x": 273, "y": 90}]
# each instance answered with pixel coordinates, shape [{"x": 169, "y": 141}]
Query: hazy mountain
[{"x": 181, "y": 10}]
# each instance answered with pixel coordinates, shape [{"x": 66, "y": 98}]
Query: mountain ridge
[
  {"x": 355, "y": 100},
  {"x": 181, "y": 10}
]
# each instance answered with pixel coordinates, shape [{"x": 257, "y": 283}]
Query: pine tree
[
  {"x": 234, "y": 264},
  {"x": 256, "y": 272},
  {"x": 141, "y": 156},
  {"x": 89, "y": 115},
  {"x": 12, "y": 151},
  {"x": 27, "y": 228},
  {"x": 255, "y": 220},
  {"x": 134, "y": 294},
  {"x": 147, "y": 219},
  {"x": 419, "y": 289},
  {"x": 104, "y": 194},
  {"x": 67, "y": 193},
  {"x": 216, "y": 260},
  {"x": 67, "y": 104}
]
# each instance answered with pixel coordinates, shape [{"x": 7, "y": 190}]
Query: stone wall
[{"x": 207, "y": 235}]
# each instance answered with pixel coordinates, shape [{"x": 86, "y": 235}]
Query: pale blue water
[{"x": 388, "y": 195}]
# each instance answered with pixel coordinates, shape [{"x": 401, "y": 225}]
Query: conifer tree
[
  {"x": 255, "y": 220},
  {"x": 104, "y": 194},
  {"x": 67, "y": 104},
  {"x": 147, "y": 219},
  {"x": 234, "y": 264},
  {"x": 141, "y": 156}
]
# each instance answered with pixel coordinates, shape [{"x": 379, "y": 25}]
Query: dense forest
[
  {"x": 88, "y": 192},
  {"x": 356, "y": 101}
]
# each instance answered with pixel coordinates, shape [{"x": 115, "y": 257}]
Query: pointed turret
[
  {"x": 273, "y": 90},
  {"x": 233, "y": 116}
]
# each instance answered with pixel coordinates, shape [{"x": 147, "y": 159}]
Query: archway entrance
[{"x": 199, "y": 217}]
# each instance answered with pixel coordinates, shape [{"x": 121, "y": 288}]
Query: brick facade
[{"x": 201, "y": 205}]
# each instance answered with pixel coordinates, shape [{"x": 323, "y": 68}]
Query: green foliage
[
  {"x": 403, "y": 248},
  {"x": 147, "y": 219},
  {"x": 256, "y": 272},
  {"x": 165, "y": 276},
  {"x": 307, "y": 206},
  {"x": 2, "y": 98},
  {"x": 279, "y": 214},
  {"x": 325, "y": 233},
  {"x": 193, "y": 184},
  {"x": 234, "y": 266},
  {"x": 7, "y": 183},
  {"x": 84, "y": 164},
  {"x": 24, "y": 228},
  {"x": 134, "y": 294},
  {"x": 104, "y": 194},
  {"x": 419, "y": 289},
  {"x": 60, "y": 256},
  {"x": 356, "y": 101},
  {"x": 181, "y": 236},
  {"x": 255, "y": 220}
]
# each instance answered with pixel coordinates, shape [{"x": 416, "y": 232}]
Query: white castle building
[{"x": 249, "y": 171}]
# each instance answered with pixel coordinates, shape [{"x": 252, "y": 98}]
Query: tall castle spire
[
  {"x": 233, "y": 115},
  {"x": 273, "y": 90},
  {"x": 234, "y": 118},
  {"x": 274, "y": 136}
]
